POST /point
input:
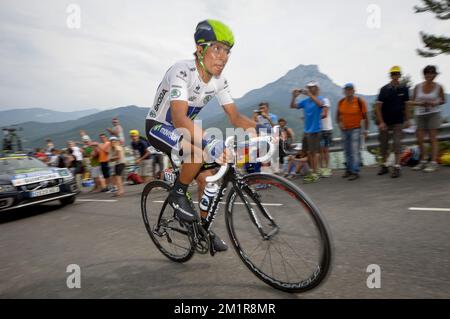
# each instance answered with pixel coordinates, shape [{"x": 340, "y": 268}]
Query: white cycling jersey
[{"x": 182, "y": 82}]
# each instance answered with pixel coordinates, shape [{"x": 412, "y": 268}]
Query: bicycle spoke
[
  {"x": 293, "y": 258},
  {"x": 301, "y": 258}
]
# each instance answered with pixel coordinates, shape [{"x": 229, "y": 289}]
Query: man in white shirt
[{"x": 326, "y": 137}]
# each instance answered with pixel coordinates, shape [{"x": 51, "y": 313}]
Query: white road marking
[
  {"x": 430, "y": 209},
  {"x": 223, "y": 203},
  {"x": 97, "y": 200}
]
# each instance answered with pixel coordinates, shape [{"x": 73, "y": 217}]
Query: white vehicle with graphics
[{"x": 26, "y": 181}]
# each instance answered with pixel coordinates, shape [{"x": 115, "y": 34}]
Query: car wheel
[{"x": 68, "y": 200}]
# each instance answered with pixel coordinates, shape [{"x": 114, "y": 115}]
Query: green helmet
[{"x": 213, "y": 30}]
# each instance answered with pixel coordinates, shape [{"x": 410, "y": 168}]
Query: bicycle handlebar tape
[{"x": 213, "y": 150}]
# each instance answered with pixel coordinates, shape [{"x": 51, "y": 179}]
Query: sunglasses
[{"x": 395, "y": 73}]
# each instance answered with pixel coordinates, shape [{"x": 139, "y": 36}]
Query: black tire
[
  {"x": 153, "y": 215},
  {"x": 68, "y": 200},
  {"x": 245, "y": 224}
]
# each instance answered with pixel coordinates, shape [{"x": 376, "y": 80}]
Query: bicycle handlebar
[{"x": 229, "y": 144}]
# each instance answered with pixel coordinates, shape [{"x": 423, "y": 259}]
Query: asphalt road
[{"x": 369, "y": 219}]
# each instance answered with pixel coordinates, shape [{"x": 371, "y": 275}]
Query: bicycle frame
[{"x": 232, "y": 176}]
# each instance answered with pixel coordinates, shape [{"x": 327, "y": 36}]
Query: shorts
[
  {"x": 105, "y": 169},
  {"x": 312, "y": 142},
  {"x": 326, "y": 139},
  {"x": 145, "y": 168},
  {"x": 431, "y": 121},
  {"x": 396, "y": 131},
  {"x": 163, "y": 137},
  {"x": 96, "y": 172},
  {"x": 118, "y": 169}
]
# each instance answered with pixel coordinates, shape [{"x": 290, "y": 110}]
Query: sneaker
[
  {"x": 353, "y": 176},
  {"x": 395, "y": 172},
  {"x": 347, "y": 174},
  {"x": 184, "y": 209},
  {"x": 218, "y": 244},
  {"x": 291, "y": 176},
  {"x": 422, "y": 165},
  {"x": 311, "y": 178},
  {"x": 432, "y": 167},
  {"x": 383, "y": 170},
  {"x": 326, "y": 172}
]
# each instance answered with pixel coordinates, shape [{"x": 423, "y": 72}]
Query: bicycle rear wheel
[
  {"x": 168, "y": 234},
  {"x": 278, "y": 232}
]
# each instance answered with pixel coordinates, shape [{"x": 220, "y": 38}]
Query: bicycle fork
[{"x": 253, "y": 216}]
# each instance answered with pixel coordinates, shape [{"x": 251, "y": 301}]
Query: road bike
[{"x": 275, "y": 228}]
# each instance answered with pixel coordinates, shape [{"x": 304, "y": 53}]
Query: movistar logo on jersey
[
  {"x": 157, "y": 128},
  {"x": 175, "y": 93}
]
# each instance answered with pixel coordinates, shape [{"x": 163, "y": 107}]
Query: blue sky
[{"x": 122, "y": 48}]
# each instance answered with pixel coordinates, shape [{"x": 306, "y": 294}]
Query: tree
[{"x": 435, "y": 45}]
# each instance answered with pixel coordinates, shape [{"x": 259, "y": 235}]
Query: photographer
[
  {"x": 314, "y": 110},
  {"x": 263, "y": 118}
]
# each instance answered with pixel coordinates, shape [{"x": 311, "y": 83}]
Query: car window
[{"x": 8, "y": 165}]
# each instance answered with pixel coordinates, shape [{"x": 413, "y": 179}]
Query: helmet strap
[{"x": 202, "y": 57}]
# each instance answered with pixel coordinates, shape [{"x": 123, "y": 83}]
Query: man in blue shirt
[{"x": 314, "y": 112}]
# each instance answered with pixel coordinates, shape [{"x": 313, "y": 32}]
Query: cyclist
[{"x": 185, "y": 89}]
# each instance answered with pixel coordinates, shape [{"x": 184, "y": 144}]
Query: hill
[
  {"x": 16, "y": 116},
  {"x": 34, "y": 134}
]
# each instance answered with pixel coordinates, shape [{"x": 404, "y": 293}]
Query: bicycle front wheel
[
  {"x": 278, "y": 232},
  {"x": 167, "y": 233}
]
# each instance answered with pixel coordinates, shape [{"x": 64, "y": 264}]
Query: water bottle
[{"x": 210, "y": 192}]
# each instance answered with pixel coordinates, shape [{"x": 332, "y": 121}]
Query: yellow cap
[
  {"x": 134, "y": 133},
  {"x": 395, "y": 69}
]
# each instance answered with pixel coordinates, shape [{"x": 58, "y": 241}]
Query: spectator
[
  {"x": 40, "y": 155},
  {"x": 117, "y": 131},
  {"x": 298, "y": 164},
  {"x": 50, "y": 146},
  {"x": 351, "y": 110},
  {"x": 286, "y": 140},
  {"x": 392, "y": 115},
  {"x": 83, "y": 134},
  {"x": 53, "y": 158},
  {"x": 118, "y": 158},
  {"x": 326, "y": 136},
  {"x": 157, "y": 159},
  {"x": 263, "y": 118},
  {"x": 264, "y": 123},
  {"x": 314, "y": 111},
  {"x": 76, "y": 165},
  {"x": 103, "y": 150},
  {"x": 62, "y": 159},
  {"x": 428, "y": 96},
  {"x": 91, "y": 154},
  {"x": 141, "y": 145}
]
